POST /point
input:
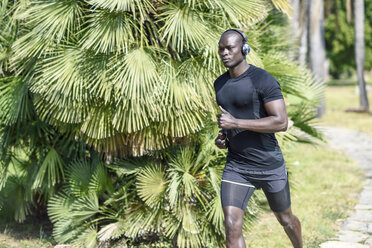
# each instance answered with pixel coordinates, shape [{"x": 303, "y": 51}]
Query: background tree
[
  {"x": 340, "y": 38},
  {"x": 359, "y": 52},
  {"x": 307, "y": 28}
]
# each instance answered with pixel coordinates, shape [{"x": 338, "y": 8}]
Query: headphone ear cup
[{"x": 246, "y": 49}]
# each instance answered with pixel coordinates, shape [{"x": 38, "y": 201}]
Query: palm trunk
[
  {"x": 304, "y": 28},
  {"x": 295, "y": 27},
  {"x": 359, "y": 51},
  {"x": 317, "y": 45}
]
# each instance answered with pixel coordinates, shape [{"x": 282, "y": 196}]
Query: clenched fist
[
  {"x": 221, "y": 141},
  {"x": 226, "y": 120}
]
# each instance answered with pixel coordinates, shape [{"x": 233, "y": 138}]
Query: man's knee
[
  {"x": 285, "y": 219},
  {"x": 233, "y": 226}
]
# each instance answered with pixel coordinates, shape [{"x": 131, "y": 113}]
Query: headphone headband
[{"x": 245, "y": 40}]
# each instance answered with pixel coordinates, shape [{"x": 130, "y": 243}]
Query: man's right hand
[{"x": 221, "y": 141}]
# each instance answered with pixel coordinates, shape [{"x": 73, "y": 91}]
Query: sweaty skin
[{"x": 230, "y": 52}]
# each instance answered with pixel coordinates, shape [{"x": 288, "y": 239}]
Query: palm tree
[
  {"x": 307, "y": 27},
  {"x": 87, "y": 85},
  {"x": 127, "y": 78},
  {"x": 340, "y": 28},
  {"x": 359, "y": 52}
]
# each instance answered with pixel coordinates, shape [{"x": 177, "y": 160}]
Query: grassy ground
[
  {"x": 338, "y": 99},
  {"x": 324, "y": 185},
  {"x": 33, "y": 233}
]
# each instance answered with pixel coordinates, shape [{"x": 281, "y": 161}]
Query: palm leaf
[
  {"x": 134, "y": 77},
  {"x": 240, "y": 13},
  {"x": 51, "y": 169},
  {"x": 183, "y": 181},
  {"x": 59, "y": 207},
  {"x": 15, "y": 102},
  {"x": 183, "y": 28},
  {"x": 108, "y": 32},
  {"x": 53, "y": 19},
  {"x": 85, "y": 207},
  {"x": 141, "y": 6},
  {"x": 89, "y": 238},
  {"x": 78, "y": 177},
  {"x": 97, "y": 124},
  {"x": 100, "y": 180},
  {"x": 215, "y": 214},
  {"x": 113, "y": 231},
  {"x": 60, "y": 76},
  {"x": 142, "y": 219},
  {"x": 284, "y": 6},
  {"x": 151, "y": 185}
]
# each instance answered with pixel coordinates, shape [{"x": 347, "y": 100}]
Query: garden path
[{"x": 356, "y": 231}]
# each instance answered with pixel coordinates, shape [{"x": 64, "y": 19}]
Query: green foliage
[
  {"x": 179, "y": 201},
  {"x": 339, "y": 36}
]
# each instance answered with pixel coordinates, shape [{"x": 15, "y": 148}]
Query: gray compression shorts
[{"x": 238, "y": 186}]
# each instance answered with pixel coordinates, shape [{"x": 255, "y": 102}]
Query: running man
[{"x": 252, "y": 109}]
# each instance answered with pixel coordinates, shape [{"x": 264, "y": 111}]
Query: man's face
[{"x": 229, "y": 49}]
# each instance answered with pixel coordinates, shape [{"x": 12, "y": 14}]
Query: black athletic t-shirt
[{"x": 244, "y": 98}]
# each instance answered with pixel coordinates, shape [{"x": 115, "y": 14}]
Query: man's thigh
[
  {"x": 279, "y": 201},
  {"x": 236, "y": 194}
]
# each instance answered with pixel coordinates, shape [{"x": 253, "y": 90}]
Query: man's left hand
[{"x": 226, "y": 120}]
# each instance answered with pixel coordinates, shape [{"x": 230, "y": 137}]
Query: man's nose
[{"x": 223, "y": 52}]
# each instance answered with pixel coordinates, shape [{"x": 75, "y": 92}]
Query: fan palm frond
[
  {"x": 113, "y": 231},
  {"x": 293, "y": 79},
  {"x": 108, "y": 32},
  {"x": 284, "y": 6},
  {"x": 60, "y": 76},
  {"x": 20, "y": 197},
  {"x": 66, "y": 230},
  {"x": 70, "y": 215},
  {"x": 15, "y": 102},
  {"x": 7, "y": 36},
  {"x": 78, "y": 176},
  {"x": 89, "y": 238},
  {"x": 183, "y": 182},
  {"x": 134, "y": 77},
  {"x": 27, "y": 48},
  {"x": 142, "y": 219},
  {"x": 59, "y": 207},
  {"x": 151, "y": 185},
  {"x": 53, "y": 19},
  {"x": 97, "y": 124},
  {"x": 186, "y": 240},
  {"x": 303, "y": 119},
  {"x": 61, "y": 111},
  {"x": 128, "y": 166},
  {"x": 141, "y": 7},
  {"x": 183, "y": 28},
  {"x": 51, "y": 169},
  {"x": 100, "y": 180},
  {"x": 240, "y": 13},
  {"x": 215, "y": 214},
  {"x": 85, "y": 207}
]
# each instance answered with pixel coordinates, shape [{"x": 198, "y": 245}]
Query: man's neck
[{"x": 239, "y": 69}]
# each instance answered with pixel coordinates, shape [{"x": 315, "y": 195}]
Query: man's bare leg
[
  {"x": 291, "y": 225},
  {"x": 233, "y": 225}
]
